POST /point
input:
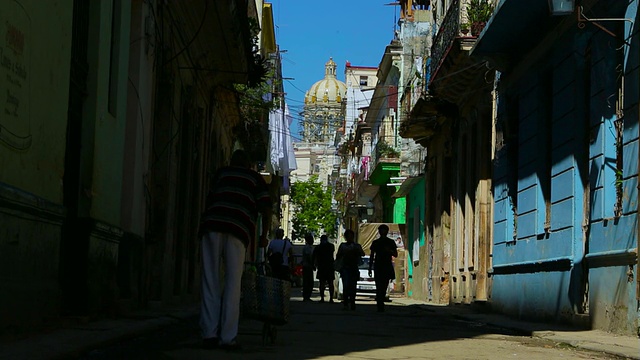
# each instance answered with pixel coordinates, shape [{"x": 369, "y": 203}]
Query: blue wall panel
[
  {"x": 563, "y": 104},
  {"x": 630, "y": 196},
  {"x": 595, "y": 172},
  {"x": 527, "y": 225},
  {"x": 597, "y": 146},
  {"x": 630, "y": 158},
  {"x": 563, "y": 158},
  {"x": 596, "y": 205},
  {"x": 528, "y": 152},
  {"x": 500, "y": 232},
  {"x": 562, "y": 186},
  {"x": 527, "y": 176},
  {"x": 612, "y": 299},
  {"x": 500, "y": 209},
  {"x": 563, "y": 131},
  {"x": 562, "y": 214},
  {"x": 609, "y": 236},
  {"x": 500, "y": 167},
  {"x": 537, "y": 296},
  {"x": 527, "y": 200},
  {"x": 502, "y": 253},
  {"x": 558, "y": 245}
]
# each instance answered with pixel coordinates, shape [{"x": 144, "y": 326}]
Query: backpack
[{"x": 276, "y": 259}]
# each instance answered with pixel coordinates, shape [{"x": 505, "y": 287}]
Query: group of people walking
[
  {"x": 347, "y": 262},
  {"x": 349, "y": 258},
  {"x": 228, "y": 225},
  {"x": 318, "y": 258},
  {"x": 280, "y": 260}
]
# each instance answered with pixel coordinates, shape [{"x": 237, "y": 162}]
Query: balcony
[
  {"x": 450, "y": 55},
  {"x": 385, "y": 164}
]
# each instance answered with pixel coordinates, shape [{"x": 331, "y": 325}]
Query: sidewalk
[
  {"x": 74, "y": 341},
  {"x": 593, "y": 340}
]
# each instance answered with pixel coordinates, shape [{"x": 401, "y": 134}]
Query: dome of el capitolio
[{"x": 328, "y": 91}]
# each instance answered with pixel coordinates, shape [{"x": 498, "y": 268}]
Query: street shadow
[{"x": 318, "y": 330}]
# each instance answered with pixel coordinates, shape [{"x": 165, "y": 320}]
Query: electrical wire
[{"x": 204, "y": 17}]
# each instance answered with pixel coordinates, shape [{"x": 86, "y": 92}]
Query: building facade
[
  {"x": 531, "y": 177},
  {"x": 565, "y": 244},
  {"x": 108, "y": 142}
]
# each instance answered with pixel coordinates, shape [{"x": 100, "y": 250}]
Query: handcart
[{"x": 266, "y": 299}]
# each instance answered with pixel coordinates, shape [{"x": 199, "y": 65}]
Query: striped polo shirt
[{"x": 232, "y": 205}]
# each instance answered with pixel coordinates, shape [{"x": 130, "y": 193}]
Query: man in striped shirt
[{"x": 228, "y": 226}]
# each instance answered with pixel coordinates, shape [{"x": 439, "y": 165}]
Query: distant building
[{"x": 323, "y": 112}]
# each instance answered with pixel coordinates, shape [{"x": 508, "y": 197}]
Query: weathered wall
[
  {"x": 563, "y": 109},
  {"x": 35, "y": 74},
  {"x": 416, "y": 265},
  {"x": 34, "y": 80}
]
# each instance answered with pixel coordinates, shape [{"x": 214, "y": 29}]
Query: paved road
[{"x": 325, "y": 331}]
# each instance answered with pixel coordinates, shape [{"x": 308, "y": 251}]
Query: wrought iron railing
[{"x": 448, "y": 31}]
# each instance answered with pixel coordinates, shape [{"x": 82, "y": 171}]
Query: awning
[{"x": 406, "y": 187}]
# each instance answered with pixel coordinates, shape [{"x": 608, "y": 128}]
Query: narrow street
[{"x": 325, "y": 331}]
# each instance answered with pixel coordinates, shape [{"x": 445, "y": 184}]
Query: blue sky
[{"x": 312, "y": 31}]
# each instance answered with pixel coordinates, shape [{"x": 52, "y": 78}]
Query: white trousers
[{"x": 222, "y": 254}]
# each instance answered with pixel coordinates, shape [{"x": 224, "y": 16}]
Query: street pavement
[{"x": 408, "y": 329}]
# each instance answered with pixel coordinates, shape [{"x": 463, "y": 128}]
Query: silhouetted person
[
  {"x": 279, "y": 254},
  {"x": 307, "y": 268},
  {"x": 228, "y": 226},
  {"x": 323, "y": 259},
  {"x": 383, "y": 250},
  {"x": 350, "y": 255}
]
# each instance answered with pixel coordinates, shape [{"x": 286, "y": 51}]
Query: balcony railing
[{"x": 447, "y": 33}]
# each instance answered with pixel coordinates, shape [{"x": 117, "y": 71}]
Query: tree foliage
[{"x": 312, "y": 208}]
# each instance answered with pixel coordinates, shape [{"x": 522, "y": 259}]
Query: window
[{"x": 364, "y": 80}]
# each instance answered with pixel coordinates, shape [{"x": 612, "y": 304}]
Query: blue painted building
[{"x": 565, "y": 174}]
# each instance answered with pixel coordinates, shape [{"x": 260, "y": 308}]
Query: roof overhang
[
  {"x": 407, "y": 186},
  {"x": 268, "y": 32},
  {"x": 425, "y": 117},
  {"x": 513, "y": 30},
  {"x": 392, "y": 52}
]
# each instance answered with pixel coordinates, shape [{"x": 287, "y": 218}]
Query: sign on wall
[{"x": 15, "y": 127}]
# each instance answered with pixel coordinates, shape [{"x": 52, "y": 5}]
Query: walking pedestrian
[
  {"x": 350, "y": 255},
  {"x": 383, "y": 250},
  {"x": 279, "y": 254},
  {"x": 228, "y": 226},
  {"x": 323, "y": 259},
  {"x": 307, "y": 268}
]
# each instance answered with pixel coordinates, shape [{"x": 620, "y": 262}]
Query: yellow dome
[{"x": 330, "y": 90}]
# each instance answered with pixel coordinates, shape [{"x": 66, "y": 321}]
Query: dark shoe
[
  {"x": 321, "y": 300},
  {"x": 231, "y": 346},
  {"x": 210, "y": 343}
]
